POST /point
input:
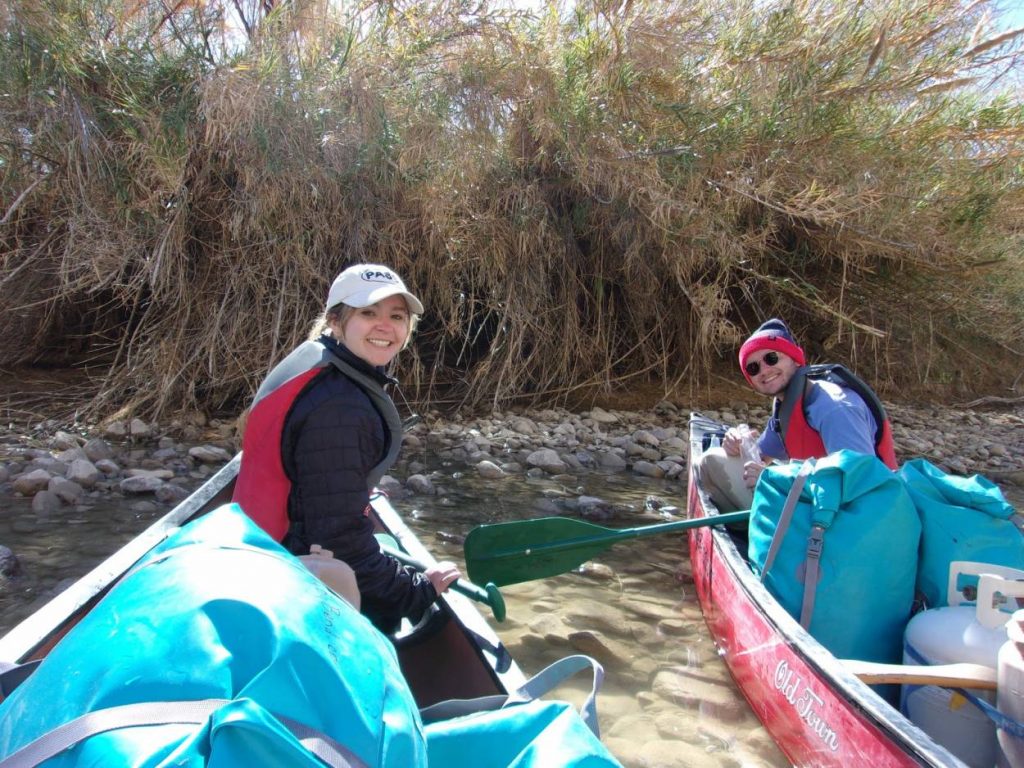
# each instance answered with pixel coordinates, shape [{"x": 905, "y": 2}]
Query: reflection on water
[{"x": 667, "y": 699}]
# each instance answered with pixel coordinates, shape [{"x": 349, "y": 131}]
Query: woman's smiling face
[
  {"x": 772, "y": 379},
  {"x": 375, "y": 333}
]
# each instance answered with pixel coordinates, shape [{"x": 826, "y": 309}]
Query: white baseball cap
[{"x": 364, "y": 284}]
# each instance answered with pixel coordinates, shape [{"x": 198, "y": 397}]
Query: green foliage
[{"x": 587, "y": 196}]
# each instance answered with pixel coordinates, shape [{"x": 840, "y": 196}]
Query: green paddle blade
[
  {"x": 523, "y": 550},
  {"x": 531, "y": 549}
]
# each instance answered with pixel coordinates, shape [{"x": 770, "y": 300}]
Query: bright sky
[{"x": 1014, "y": 16}]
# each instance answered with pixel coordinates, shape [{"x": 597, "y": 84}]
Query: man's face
[{"x": 774, "y": 370}]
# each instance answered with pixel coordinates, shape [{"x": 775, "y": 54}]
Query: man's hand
[
  {"x": 751, "y": 471},
  {"x": 733, "y": 441}
]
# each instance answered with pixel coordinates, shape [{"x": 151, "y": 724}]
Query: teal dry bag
[
  {"x": 962, "y": 518},
  {"x": 519, "y": 730},
  {"x": 218, "y": 649},
  {"x": 845, "y": 562}
]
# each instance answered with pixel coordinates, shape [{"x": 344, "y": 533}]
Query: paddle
[
  {"x": 489, "y": 594},
  {"x": 962, "y": 675},
  {"x": 523, "y": 550}
]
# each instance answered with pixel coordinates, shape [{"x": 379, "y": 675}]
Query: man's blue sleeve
[
  {"x": 841, "y": 417},
  {"x": 770, "y": 444}
]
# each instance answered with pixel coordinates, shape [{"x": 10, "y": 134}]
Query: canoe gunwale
[{"x": 859, "y": 698}]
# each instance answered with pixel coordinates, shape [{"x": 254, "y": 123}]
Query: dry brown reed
[{"x": 589, "y": 198}]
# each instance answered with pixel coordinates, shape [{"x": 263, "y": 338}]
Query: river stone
[
  {"x": 524, "y": 426},
  {"x": 550, "y": 627},
  {"x": 489, "y": 470},
  {"x": 52, "y": 465},
  {"x": 98, "y": 449},
  {"x": 675, "y": 627},
  {"x": 45, "y": 502},
  {"x": 611, "y": 461},
  {"x": 83, "y": 472},
  {"x": 32, "y": 482},
  {"x": 547, "y": 460},
  {"x": 647, "y": 469},
  {"x": 602, "y": 416},
  {"x": 593, "y": 615},
  {"x": 67, "y": 490},
  {"x": 71, "y": 454},
  {"x": 421, "y": 484},
  {"x": 670, "y": 468},
  {"x": 209, "y": 454},
  {"x": 140, "y": 484},
  {"x": 10, "y": 566},
  {"x": 139, "y": 428},
  {"x": 161, "y": 474},
  {"x": 611, "y": 653},
  {"x": 108, "y": 466},
  {"x": 63, "y": 441},
  {"x": 646, "y": 437},
  {"x": 170, "y": 493},
  {"x": 5, "y": 473},
  {"x": 596, "y": 571}
]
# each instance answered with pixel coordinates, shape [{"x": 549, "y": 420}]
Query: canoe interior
[
  {"x": 815, "y": 709},
  {"x": 453, "y": 653}
]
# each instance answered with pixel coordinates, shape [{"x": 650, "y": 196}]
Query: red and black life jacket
[
  {"x": 263, "y": 486},
  {"x": 804, "y": 442}
]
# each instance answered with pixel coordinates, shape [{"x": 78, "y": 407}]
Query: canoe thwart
[{"x": 961, "y": 675}]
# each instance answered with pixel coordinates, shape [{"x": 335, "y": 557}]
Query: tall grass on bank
[{"x": 588, "y": 197}]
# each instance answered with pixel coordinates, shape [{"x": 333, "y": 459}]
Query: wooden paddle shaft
[{"x": 963, "y": 675}]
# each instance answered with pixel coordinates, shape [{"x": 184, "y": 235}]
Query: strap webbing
[
  {"x": 164, "y": 713},
  {"x": 787, "y": 515},
  {"x": 812, "y": 561}
]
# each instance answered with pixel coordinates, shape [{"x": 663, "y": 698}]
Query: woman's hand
[{"x": 442, "y": 575}]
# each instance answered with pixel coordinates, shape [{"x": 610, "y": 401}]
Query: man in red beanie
[{"x": 818, "y": 410}]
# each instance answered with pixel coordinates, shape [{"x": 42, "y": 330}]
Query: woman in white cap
[{"x": 321, "y": 433}]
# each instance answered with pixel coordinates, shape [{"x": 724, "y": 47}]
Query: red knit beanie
[{"x": 772, "y": 334}]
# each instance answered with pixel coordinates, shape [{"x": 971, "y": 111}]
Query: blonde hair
[{"x": 340, "y": 314}]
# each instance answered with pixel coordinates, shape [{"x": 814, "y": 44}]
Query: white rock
[
  {"x": 140, "y": 484},
  {"x": 602, "y": 416},
  {"x": 489, "y": 470},
  {"x": 209, "y": 454}
]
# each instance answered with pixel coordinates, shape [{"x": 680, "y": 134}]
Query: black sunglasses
[{"x": 753, "y": 369}]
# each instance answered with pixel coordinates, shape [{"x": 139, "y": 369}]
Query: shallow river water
[{"x": 667, "y": 700}]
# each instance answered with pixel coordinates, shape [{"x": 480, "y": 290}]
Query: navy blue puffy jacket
[{"x": 333, "y": 436}]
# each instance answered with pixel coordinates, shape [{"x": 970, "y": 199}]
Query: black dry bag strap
[
  {"x": 787, "y": 515},
  {"x": 13, "y": 675},
  {"x": 164, "y": 713},
  {"x": 532, "y": 689}
]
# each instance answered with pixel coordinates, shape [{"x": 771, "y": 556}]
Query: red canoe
[{"x": 811, "y": 704}]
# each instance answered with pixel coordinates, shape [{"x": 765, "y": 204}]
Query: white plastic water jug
[
  {"x": 961, "y": 633},
  {"x": 1010, "y": 697}
]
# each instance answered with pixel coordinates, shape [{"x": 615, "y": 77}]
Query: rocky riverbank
[{"x": 152, "y": 466}]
